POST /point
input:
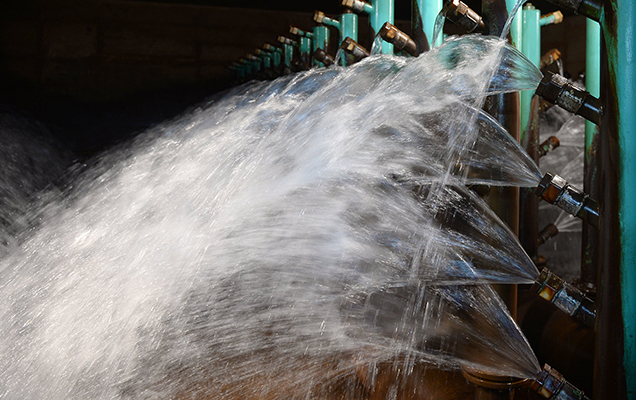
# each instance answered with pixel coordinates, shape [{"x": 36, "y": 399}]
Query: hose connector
[
  {"x": 550, "y": 384},
  {"x": 565, "y": 297},
  {"x": 548, "y": 145},
  {"x": 556, "y": 190},
  {"x": 547, "y": 233},
  {"x": 400, "y": 40},
  {"x": 552, "y": 18},
  {"x": 556, "y": 89},
  {"x": 322, "y": 56},
  {"x": 460, "y": 14},
  {"x": 352, "y": 47},
  {"x": 358, "y": 5},
  {"x": 589, "y": 8},
  {"x": 549, "y": 58}
]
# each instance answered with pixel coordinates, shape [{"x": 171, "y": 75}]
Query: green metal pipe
[
  {"x": 379, "y": 11},
  {"x": 321, "y": 40},
  {"x": 348, "y": 26},
  {"x": 531, "y": 48},
  {"x": 618, "y": 174},
  {"x": 516, "y": 28}
]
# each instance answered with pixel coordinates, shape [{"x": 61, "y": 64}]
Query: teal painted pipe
[
  {"x": 348, "y": 26},
  {"x": 383, "y": 11},
  {"x": 321, "y": 40},
  {"x": 615, "y": 364},
  {"x": 592, "y": 72},
  {"x": 516, "y": 28},
  {"x": 622, "y": 61},
  {"x": 305, "y": 39},
  {"x": 531, "y": 48},
  {"x": 380, "y": 11}
]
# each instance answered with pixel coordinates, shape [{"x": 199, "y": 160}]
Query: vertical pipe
[
  {"x": 348, "y": 26},
  {"x": 383, "y": 11},
  {"x": 529, "y": 132},
  {"x": 516, "y": 28},
  {"x": 531, "y": 48},
  {"x": 615, "y": 366},
  {"x": 321, "y": 40},
  {"x": 589, "y": 251}
]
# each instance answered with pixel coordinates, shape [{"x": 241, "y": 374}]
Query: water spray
[
  {"x": 566, "y": 297},
  {"x": 400, "y": 40},
  {"x": 556, "y": 190},
  {"x": 557, "y": 89},
  {"x": 460, "y": 14}
]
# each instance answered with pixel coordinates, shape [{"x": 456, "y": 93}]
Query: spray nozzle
[
  {"x": 550, "y": 384},
  {"x": 547, "y": 233},
  {"x": 556, "y": 190},
  {"x": 557, "y": 89},
  {"x": 460, "y": 14},
  {"x": 549, "y": 58},
  {"x": 358, "y": 5},
  {"x": 322, "y": 56},
  {"x": 400, "y": 40},
  {"x": 548, "y": 145},
  {"x": 352, "y": 47}
]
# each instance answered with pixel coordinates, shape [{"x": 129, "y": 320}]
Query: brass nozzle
[
  {"x": 399, "y": 39},
  {"x": 549, "y": 58},
  {"x": 556, "y": 190},
  {"x": 550, "y": 384},
  {"x": 319, "y": 16},
  {"x": 322, "y": 56},
  {"x": 460, "y": 14},
  {"x": 352, "y": 47},
  {"x": 565, "y": 297},
  {"x": 548, "y": 145},
  {"x": 556, "y": 89}
]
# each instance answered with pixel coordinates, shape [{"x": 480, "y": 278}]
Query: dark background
[{"x": 98, "y": 71}]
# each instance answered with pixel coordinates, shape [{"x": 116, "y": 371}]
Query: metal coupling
[
  {"x": 400, "y": 40},
  {"x": 322, "y": 56},
  {"x": 550, "y": 384},
  {"x": 556, "y": 190},
  {"x": 358, "y": 5},
  {"x": 556, "y": 89},
  {"x": 565, "y": 297},
  {"x": 299, "y": 32},
  {"x": 549, "y": 58},
  {"x": 287, "y": 41},
  {"x": 552, "y": 18},
  {"x": 548, "y": 145},
  {"x": 588, "y": 8},
  {"x": 319, "y": 16},
  {"x": 352, "y": 47},
  {"x": 547, "y": 233},
  {"x": 460, "y": 14}
]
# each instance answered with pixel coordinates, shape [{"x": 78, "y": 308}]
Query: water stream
[{"x": 279, "y": 237}]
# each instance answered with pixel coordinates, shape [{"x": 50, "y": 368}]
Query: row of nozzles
[{"x": 311, "y": 49}]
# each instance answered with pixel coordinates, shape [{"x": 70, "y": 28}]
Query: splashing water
[
  {"x": 278, "y": 238},
  {"x": 376, "y": 47},
  {"x": 439, "y": 26}
]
